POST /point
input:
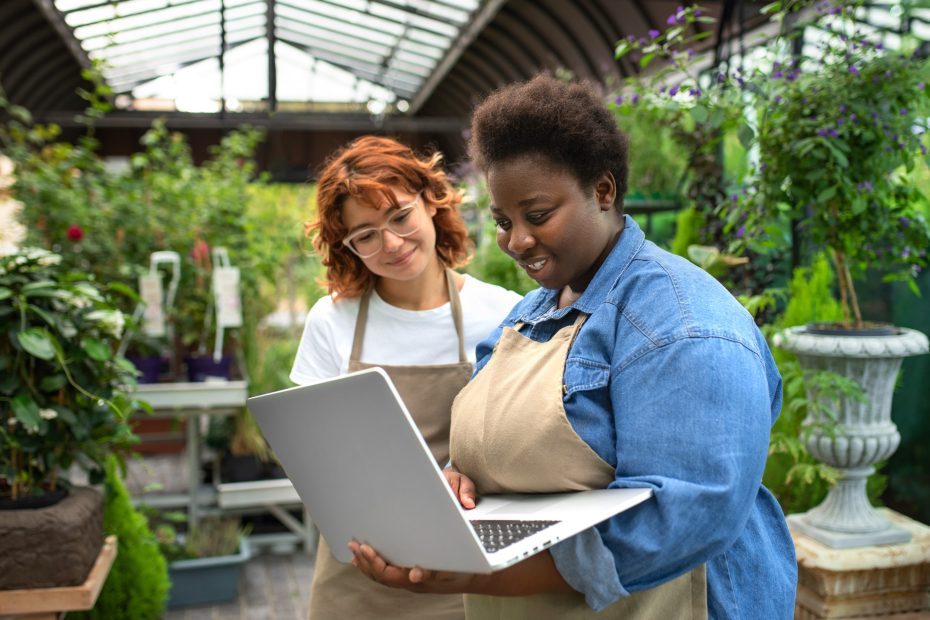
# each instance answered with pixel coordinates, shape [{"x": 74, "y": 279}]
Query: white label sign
[
  {"x": 226, "y": 292},
  {"x": 153, "y": 321}
]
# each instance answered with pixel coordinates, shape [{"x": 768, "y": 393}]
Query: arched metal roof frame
[{"x": 433, "y": 53}]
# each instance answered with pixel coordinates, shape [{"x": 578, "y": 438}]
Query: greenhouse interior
[{"x": 177, "y": 198}]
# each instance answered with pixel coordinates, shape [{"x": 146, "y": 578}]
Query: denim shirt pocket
[{"x": 583, "y": 374}]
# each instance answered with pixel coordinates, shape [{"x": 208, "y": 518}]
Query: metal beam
[
  {"x": 308, "y": 121},
  {"x": 461, "y": 43},
  {"x": 64, "y": 31}
]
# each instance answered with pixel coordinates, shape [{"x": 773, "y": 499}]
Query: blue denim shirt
[{"x": 670, "y": 381}]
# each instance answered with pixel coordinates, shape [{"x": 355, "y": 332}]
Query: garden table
[{"x": 54, "y": 603}]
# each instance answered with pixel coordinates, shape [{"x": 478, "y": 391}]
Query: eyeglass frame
[{"x": 409, "y": 207}]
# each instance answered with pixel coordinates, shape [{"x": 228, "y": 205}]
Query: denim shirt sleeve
[{"x": 691, "y": 420}]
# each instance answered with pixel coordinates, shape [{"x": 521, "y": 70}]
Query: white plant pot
[{"x": 863, "y": 435}]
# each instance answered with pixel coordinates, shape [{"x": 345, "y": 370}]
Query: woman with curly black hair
[{"x": 629, "y": 368}]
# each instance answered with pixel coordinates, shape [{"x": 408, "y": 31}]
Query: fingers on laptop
[{"x": 462, "y": 486}]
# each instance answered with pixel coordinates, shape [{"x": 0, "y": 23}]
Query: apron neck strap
[{"x": 455, "y": 305}]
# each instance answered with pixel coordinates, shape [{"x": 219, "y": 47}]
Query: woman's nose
[
  {"x": 520, "y": 240},
  {"x": 390, "y": 242}
]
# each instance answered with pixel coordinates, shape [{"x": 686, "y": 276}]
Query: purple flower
[
  {"x": 853, "y": 69},
  {"x": 673, "y": 91},
  {"x": 634, "y": 99},
  {"x": 905, "y": 222},
  {"x": 834, "y": 133},
  {"x": 695, "y": 92},
  {"x": 888, "y": 73},
  {"x": 853, "y": 117},
  {"x": 690, "y": 53},
  {"x": 654, "y": 34},
  {"x": 763, "y": 166},
  {"x": 865, "y": 186},
  {"x": 920, "y": 86},
  {"x": 823, "y": 132},
  {"x": 842, "y": 109},
  {"x": 903, "y": 112},
  {"x": 631, "y": 37},
  {"x": 778, "y": 99},
  {"x": 740, "y": 232},
  {"x": 923, "y": 150},
  {"x": 672, "y": 20},
  {"x": 697, "y": 13},
  {"x": 778, "y": 75},
  {"x": 905, "y": 252},
  {"x": 619, "y": 100}
]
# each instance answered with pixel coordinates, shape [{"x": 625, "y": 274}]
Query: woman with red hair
[{"x": 390, "y": 234}]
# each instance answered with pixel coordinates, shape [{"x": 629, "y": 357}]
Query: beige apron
[
  {"x": 510, "y": 434},
  {"x": 340, "y": 591}
]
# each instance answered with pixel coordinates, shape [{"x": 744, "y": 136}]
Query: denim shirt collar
[{"x": 628, "y": 245}]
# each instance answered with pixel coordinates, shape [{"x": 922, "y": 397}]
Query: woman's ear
[{"x": 605, "y": 191}]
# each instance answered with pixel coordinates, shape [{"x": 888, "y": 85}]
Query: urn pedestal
[{"x": 861, "y": 434}]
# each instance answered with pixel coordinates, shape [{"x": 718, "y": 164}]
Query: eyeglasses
[{"x": 367, "y": 242}]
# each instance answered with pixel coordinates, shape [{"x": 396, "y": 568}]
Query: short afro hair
[{"x": 568, "y": 123}]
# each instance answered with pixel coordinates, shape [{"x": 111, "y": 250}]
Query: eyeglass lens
[{"x": 368, "y": 242}]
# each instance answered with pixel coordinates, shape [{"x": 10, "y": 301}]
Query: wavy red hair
[{"x": 367, "y": 169}]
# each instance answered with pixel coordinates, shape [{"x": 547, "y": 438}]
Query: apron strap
[{"x": 455, "y": 305}]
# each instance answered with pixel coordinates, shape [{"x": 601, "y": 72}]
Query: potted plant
[
  {"x": 64, "y": 401},
  {"x": 204, "y": 563},
  {"x": 837, "y": 136}
]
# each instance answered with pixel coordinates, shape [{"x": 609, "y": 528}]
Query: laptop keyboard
[{"x": 497, "y": 534}]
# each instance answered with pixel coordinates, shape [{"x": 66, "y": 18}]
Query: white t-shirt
[{"x": 395, "y": 336}]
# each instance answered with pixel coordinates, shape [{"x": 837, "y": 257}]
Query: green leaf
[
  {"x": 41, "y": 284},
  {"x": 53, "y": 383},
  {"x": 5, "y": 292},
  {"x": 699, "y": 113},
  {"x": 645, "y": 60},
  {"x": 26, "y": 411},
  {"x": 37, "y": 342},
  {"x": 746, "y": 136},
  {"x": 122, "y": 289},
  {"x": 826, "y": 194},
  {"x": 43, "y": 314},
  {"x": 96, "y": 349}
]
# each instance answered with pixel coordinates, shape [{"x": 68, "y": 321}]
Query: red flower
[{"x": 75, "y": 233}]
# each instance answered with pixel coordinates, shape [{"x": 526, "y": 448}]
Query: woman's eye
[
  {"x": 400, "y": 217},
  {"x": 503, "y": 224},
  {"x": 365, "y": 237},
  {"x": 537, "y": 218}
]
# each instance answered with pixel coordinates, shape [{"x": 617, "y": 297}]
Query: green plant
[
  {"x": 65, "y": 397},
  {"x": 837, "y": 135},
  {"x": 137, "y": 586},
  {"x": 703, "y": 113},
  {"x": 214, "y": 536}
]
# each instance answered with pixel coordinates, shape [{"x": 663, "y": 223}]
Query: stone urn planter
[
  {"x": 862, "y": 432},
  {"x": 51, "y": 546}
]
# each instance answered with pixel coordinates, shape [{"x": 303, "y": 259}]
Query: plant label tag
[
  {"x": 226, "y": 292},
  {"x": 150, "y": 290}
]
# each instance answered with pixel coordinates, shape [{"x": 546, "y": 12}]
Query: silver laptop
[{"x": 364, "y": 472}]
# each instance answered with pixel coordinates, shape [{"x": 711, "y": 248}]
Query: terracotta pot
[{"x": 54, "y": 546}]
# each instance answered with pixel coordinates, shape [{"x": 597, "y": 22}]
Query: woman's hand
[
  {"x": 533, "y": 575},
  {"x": 462, "y": 486},
  {"x": 420, "y": 580}
]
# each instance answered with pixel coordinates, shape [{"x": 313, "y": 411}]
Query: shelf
[{"x": 202, "y": 395}]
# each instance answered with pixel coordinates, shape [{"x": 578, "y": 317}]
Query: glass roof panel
[{"x": 380, "y": 49}]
